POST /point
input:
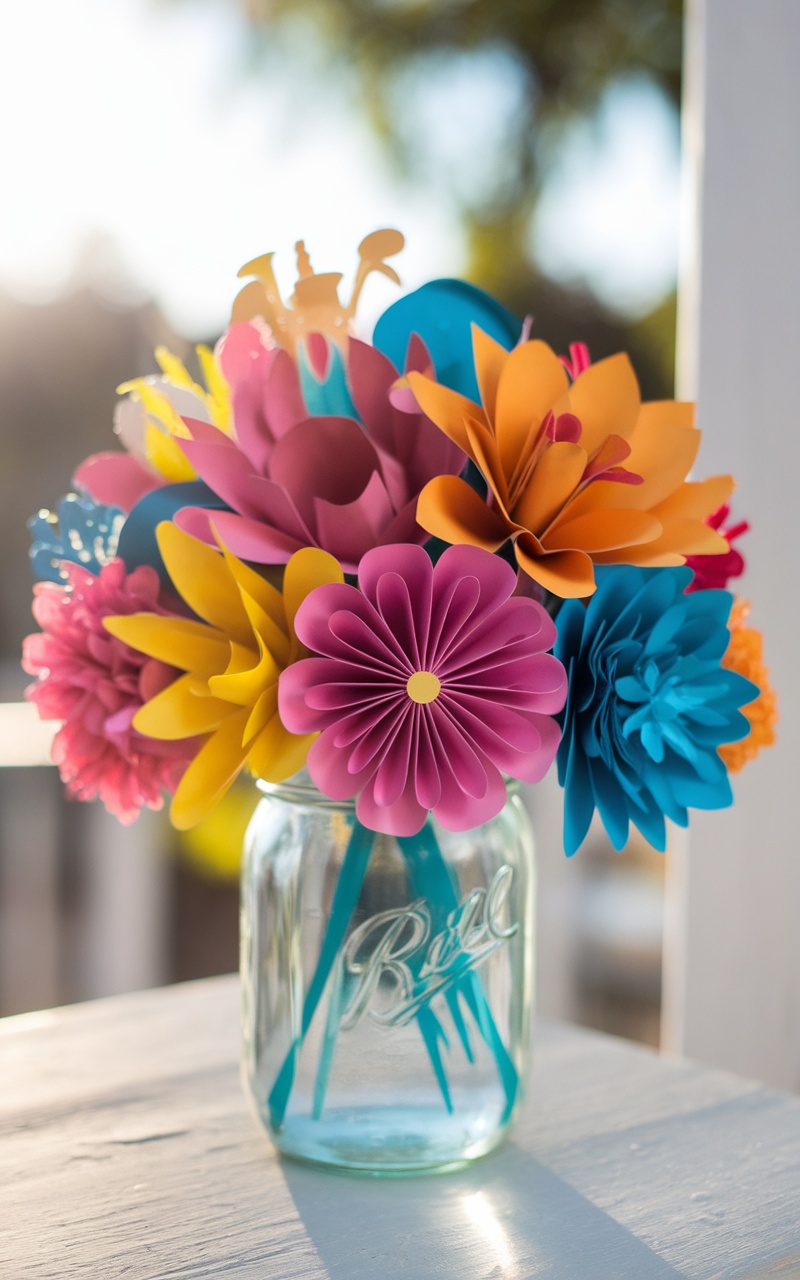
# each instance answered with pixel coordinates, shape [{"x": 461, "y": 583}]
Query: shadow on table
[{"x": 506, "y": 1218}]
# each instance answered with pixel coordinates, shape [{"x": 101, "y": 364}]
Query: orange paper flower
[
  {"x": 552, "y": 455},
  {"x": 745, "y": 655}
]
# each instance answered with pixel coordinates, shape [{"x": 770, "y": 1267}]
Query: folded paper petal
[
  {"x": 450, "y": 509},
  {"x": 213, "y": 771},
  {"x": 441, "y": 315},
  {"x": 116, "y": 478}
]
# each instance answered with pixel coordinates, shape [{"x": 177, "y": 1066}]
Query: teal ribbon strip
[
  {"x": 430, "y": 879},
  {"x": 348, "y": 888},
  {"x": 328, "y": 1039}
]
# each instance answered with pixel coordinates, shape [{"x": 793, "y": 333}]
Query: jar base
[{"x": 391, "y": 1140}]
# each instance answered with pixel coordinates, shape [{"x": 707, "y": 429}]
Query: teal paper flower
[{"x": 649, "y": 703}]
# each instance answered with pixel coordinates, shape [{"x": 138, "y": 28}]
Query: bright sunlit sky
[{"x": 137, "y": 123}]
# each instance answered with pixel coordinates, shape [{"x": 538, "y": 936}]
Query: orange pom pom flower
[{"x": 745, "y": 656}]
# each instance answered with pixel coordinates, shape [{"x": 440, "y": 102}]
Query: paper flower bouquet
[
  {"x": 413, "y": 570},
  {"x": 417, "y": 566}
]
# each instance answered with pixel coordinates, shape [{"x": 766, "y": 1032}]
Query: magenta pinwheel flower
[
  {"x": 295, "y": 479},
  {"x": 432, "y": 681}
]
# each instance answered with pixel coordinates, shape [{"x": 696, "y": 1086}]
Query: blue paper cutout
[
  {"x": 82, "y": 532},
  {"x": 137, "y": 543},
  {"x": 441, "y": 313}
]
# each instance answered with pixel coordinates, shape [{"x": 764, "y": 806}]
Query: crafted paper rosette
[
  {"x": 430, "y": 684},
  {"x": 649, "y": 704}
]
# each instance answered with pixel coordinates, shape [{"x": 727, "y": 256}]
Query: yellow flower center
[{"x": 423, "y": 686}]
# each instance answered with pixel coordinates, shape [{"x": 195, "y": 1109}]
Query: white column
[
  {"x": 732, "y": 975},
  {"x": 122, "y": 939},
  {"x": 31, "y": 940}
]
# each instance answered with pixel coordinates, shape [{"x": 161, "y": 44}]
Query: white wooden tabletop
[{"x": 126, "y": 1150}]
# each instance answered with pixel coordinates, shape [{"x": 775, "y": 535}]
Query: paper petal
[
  {"x": 566, "y": 573},
  {"x": 247, "y": 539},
  {"x": 214, "y": 769},
  {"x": 554, "y": 480},
  {"x": 450, "y": 509},
  {"x": 202, "y": 578},
  {"x": 605, "y": 397},
  {"x": 116, "y": 478},
  {"x": 179, "y": 642},
  {"x": 531, "y": 382},
  {"x": 178, "y": 712}
]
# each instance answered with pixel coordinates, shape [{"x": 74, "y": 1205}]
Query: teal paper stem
[
  {"x": 432, "y": 1032},
  {"x": 345, "y": 897},
  {"x": 488, "y": 1029},
  {"x": 431, "y": 879},
  {"x": 328, "y": 1040}
]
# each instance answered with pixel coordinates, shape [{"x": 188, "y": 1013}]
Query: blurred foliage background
[{"x": 476, "y": 98}]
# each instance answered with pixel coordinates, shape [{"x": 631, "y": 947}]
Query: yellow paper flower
[
  {"x": 231, "y": 662},
  {"x": 149, "y": 419},
  {"x": 552, "y": 454},
  {"x": 745, "y": 655}
]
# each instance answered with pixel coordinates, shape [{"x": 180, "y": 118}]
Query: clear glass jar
[{"x": 386, "y": 982}]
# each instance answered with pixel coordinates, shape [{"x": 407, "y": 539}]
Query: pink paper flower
[
  {"x": 430, "y": 681},
  {"x": 95, "y": 684},
  {"x": 327, "y": 481}
]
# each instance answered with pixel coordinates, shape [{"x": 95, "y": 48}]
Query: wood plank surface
[{"x": 127, "y": 1150}]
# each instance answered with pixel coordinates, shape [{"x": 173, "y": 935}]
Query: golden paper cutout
[{"x": 314, "y": 307}]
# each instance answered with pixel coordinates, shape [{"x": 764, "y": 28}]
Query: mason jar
[{"x": 387, "y": 982}]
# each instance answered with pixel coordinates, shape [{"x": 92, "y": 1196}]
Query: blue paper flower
[
  {"x": 648, "y": 704},
  {"x": 82, "y": 532}
]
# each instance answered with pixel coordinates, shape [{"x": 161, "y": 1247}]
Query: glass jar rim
[{"x": 300, "y": 789}]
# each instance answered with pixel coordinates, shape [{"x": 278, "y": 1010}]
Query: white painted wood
[
  {"x": 558, "y": 891},
  {"x": 126, "y": 1150},
  {"x": 733, "y": 985},
  {"x": 121, "y": 943},
  {"x": 31, "y": 940},
  {"x": 24, "y": 738}
]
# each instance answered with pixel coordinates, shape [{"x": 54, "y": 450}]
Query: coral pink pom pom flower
[
  {"x": 430, "y": 681},
  {"x": 95, "y": 684}
]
